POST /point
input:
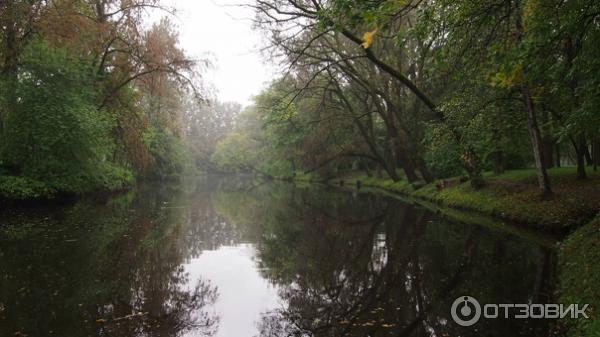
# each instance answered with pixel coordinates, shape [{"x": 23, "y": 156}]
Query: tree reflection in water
[
  {"x": 344, "y": 264},
  {"x": 362, "y": 265},
  {"x": 109, "y": 268}
]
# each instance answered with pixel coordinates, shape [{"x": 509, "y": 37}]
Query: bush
[
  {"x": 55, "y": 139},
  {"x": 24, "y": 188}
]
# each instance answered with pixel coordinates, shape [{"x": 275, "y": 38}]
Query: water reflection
[
  {"x": 350, "y": 265},
  {"x": 234, "y": 259},
  {"x": 111, "y": 268}
]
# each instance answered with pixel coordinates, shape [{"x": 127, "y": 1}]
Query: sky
[{"x": 222, "y": 32}]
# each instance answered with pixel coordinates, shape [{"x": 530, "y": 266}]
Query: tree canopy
[{"x": 426, "y": 89}]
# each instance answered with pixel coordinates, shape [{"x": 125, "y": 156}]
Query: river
[{"x": 236, "y": 258}]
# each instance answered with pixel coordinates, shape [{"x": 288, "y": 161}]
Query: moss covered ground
[{"x": 512, "y": 196}]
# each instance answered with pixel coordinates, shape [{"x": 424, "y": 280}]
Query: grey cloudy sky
[{"x": 221, "y": 31}]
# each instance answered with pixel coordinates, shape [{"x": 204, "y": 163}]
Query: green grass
[
  {"x": 579, "y": 278},
  {"x": 402, "y": 186},
  {"x": 305, "y": 177},
  {"x": 513, "y": 196}
]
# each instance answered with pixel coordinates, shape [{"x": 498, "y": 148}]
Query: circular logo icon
[{"x": 465, "y": 311}]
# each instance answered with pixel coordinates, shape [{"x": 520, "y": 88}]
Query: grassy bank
[
  {"x": 579, "y": 278},
  {"x": 511, "y": 196},
  {"x": 514, "y": 196}
]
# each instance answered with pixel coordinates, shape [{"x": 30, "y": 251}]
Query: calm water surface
[{"x": 233, "y": 259}]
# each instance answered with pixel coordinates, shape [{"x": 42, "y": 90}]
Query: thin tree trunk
[
  {"x": 580, "y": 146},
  {"x": 547, "y": 139},
  {"x": 534, "y": 130},
  {"x": 367, "y": 170},
  {"x": 498, "y": 154},
  {"x": 596, "y": 151},
  {"x": 536, "y": 142},
  {"x": 586, "y": 152}
]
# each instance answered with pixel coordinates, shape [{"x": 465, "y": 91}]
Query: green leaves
[
  {"x": 237, "y": 152},
  {"x": 56, "y": 135}
]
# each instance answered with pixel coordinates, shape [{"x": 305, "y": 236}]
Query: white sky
[{"x": 222, "y": 32}]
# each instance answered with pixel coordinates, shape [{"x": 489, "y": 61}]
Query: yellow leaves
[
  {"x": 509, "y": 77},
  {"x": 368, "y": 38},
  {"x": 529, "y": 11},
  {"x": 287, "y": 114}
]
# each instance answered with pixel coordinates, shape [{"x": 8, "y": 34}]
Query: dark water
[{"x": 230, "y": 259}]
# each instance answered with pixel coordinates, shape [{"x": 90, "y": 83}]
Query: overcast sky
[{"x": 222, "y": 32}]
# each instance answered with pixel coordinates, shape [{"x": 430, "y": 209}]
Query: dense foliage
[
  {"x": 426, "y": 89},
  {"x": 93, "y": 95}
]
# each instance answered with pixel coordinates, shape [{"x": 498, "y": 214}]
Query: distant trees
[
  {"x": 205, "y": 125},
  {"x": 436, "y": 88}
]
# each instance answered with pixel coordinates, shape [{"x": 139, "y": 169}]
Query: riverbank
[
  {"x": 22, "y": 189},
  {"x": 513, "y": 196},
  {"x": 579, "y": 278}
]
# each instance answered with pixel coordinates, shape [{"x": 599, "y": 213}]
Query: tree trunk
[
  {"x": 365, "y": 166},
  {"x": 378, "y": 171},
  {"x": 406, "y": 162},
  {"x": 586, "y": 152},
  {"x": 498, "y": 153},
  {"x": 391, "y": 171},
  {"x": 549, "y": 152},
  {"x": 557, "y": 148},
  {"x": 498, "y": 159},
  {"x": 547, "y": 138},
  {"x": 409, "y": 169},
  {"x": 475, "y": 175},
  {"x": 596, "y": 151},
  {"x": 293, "y": 166},
  {"x": 471, "y": 164},
  {"x": 534, "y": 130},
  {"x": 425, "y": 172},
  {"x": 580, "y": 149},
  {"x": 537, "y": 144}
]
